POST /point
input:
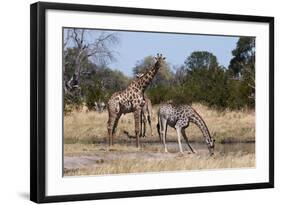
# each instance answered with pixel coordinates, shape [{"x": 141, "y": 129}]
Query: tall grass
[{"x": 225, "y": 126}]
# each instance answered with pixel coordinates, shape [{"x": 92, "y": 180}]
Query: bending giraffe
[
  {"x": 179, "y": 118},
  {"x": 131, "y": 100}
]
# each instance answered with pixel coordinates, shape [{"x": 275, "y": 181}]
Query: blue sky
[{"x": 134, "y": 46}]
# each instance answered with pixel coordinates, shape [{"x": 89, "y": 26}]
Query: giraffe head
[{"x": 160, "y": 60}]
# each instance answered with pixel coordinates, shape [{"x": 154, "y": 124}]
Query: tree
[
  {"x": 207, "y": 86},
  {"x": 242, "y": 65},
  {"x": 205, "y": 80},
  {"x": 244, "y": 54},
  {"x": 180, "y": 75},
  {"x": 201, "y": 60},
  {"x": 85, "y": 46},
  {"x": 112, "y": 80}
]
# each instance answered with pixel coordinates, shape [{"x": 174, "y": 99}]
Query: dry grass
[
  {"x": 123, "y": 161},
  {"x": 226, "y": 126}
]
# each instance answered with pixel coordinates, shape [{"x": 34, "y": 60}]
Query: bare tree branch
[{"x": 87, "y": 47}]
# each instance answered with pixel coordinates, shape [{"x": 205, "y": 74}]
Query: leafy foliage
[
  {"x": 242, "y": 65},
  {"x": 244, "y": 53},
  {"x": 201, "y": 60}
]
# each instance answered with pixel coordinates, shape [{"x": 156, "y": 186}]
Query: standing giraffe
[
  {"x": 131, "y": 100},
  {"x": 179, "y": 117}
]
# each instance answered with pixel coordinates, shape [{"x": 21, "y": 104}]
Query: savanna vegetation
[{"x": 225, "y": 126}]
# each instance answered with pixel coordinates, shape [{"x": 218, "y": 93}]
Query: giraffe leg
[
  {"x": 144, "y": 125},
  {"x": 114, "y": 127},
  {"x": 163, "y": 132},
  {"x": 179, "y": 137},
  {"x": 149, "y": 122},
  {"x": 137, "y": 116},
  {"x": 111, "y": 127},
  {"x": 187, "y": 142}
]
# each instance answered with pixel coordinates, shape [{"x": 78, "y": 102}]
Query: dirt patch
[{"x": 98, "y": 159}]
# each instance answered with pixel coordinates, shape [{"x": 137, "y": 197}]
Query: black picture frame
[{"x": 38, "y": 101}]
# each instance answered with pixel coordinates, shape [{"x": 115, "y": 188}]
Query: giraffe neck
[
  {"x": 146, "y": 79},
  {"x": 197, "y": 120}
]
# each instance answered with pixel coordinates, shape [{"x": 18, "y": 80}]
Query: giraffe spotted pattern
[{"x": 179, "y": 117}]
